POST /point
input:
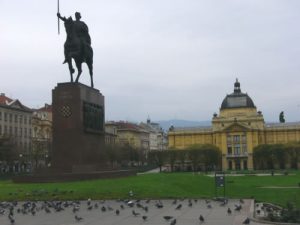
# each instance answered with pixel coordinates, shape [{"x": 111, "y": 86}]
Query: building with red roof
[{"x": 15, "y": 127}]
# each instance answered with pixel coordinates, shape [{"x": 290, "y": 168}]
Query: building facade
[
  {"x": 237, "y": 129},
  {"x": 42, "y": 135},
  {"x": 157, "y": 137},
  {"x": 16, "y": 127},
  {"x": 111, "y": 133},
  {"x": 126, "y": 133}
]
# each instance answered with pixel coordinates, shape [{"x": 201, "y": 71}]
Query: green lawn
[{"x": 164, "y": 185}]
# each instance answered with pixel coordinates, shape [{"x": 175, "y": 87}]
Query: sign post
[{"x": 219, "y": 182}]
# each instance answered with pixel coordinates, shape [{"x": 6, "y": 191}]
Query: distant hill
[{"x": 165, "y": 124}]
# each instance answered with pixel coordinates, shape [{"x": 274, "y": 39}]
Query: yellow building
[
  {"x": 237, "y": 129},
  {"x": 125, "y": 133}
]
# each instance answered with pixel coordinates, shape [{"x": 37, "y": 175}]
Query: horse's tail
[{"x": 89, "y": 55}]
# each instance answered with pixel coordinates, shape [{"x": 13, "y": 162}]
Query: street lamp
[
  {"x": 46, "y": 160},
  {"x": 20, "y": 162}
]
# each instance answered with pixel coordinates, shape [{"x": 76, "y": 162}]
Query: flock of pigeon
[{"x": 138, "y": 209}]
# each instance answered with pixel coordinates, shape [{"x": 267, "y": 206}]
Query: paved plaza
[{"x": 113, "y": 212}]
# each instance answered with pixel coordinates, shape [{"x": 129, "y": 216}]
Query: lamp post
[
  {"x": 20, "y": 162},
  {"x": 46, "y": 160}
]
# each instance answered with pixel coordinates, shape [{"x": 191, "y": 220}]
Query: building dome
[{"x": 237, "y": 99}]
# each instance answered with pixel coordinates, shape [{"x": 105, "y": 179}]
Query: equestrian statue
[{"x": 77, "y": 46}]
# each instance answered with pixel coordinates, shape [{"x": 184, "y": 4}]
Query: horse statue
[{"x": 77, "y": 46}]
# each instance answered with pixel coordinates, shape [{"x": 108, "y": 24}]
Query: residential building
[
  {"x": 126, "y": 133},
  {"x": 42, "y": 134},
  {"x": 15, "y": 126},
  {"x": 237, "y": 129},
  {"x": 111, "y": 133},
  {"x": 157, "y": 137}
]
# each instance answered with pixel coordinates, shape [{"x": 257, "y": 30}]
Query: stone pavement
[{"x": 186, "y": 215}]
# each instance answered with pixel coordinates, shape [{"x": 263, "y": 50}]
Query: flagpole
[{"x": 57, "y": 17}]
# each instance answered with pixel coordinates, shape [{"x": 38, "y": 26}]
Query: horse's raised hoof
[{"x": 72, "y": 71}]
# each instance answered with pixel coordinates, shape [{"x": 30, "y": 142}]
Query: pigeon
[
  {"x": 201, "y": 218},
  {"x": 238, "y": 207},
  {"x": 78, "y": 218},
  {"x": 178, "y": 207},
  {"x": 90, "y": 207},
  {"x": 241, "y": 201},
  {"x": 144, "y": 218},
  {"x": 173, "y": 222},
  {"x": 145, "y": 208},
  {"x": 246, "y": 221},
  {"x": 207, "y": 201},
  {"x": 47, "y": 210},
  {"x": 122, "y": 206},
  {"x": 224, "y": 202},
  {"x": 135, "y": 213},
  {"x": 167, "y": 218},
  {"x": 11, "y": 219},
  {"x": 159, "y": 205},
  {"x": 117, "y": 212},
  {"x": 228, "y": 211},
  {"x": 209, "y": 206},
  {"x": 139, "y": 205},
  {"x": 75, "y": 209},
  {"x": 174, "y": 202},
  {"x": 11, "y": 212},
  {"x": 103, "y": 209},
  {"x": 130, "y": 203},
  {"x": 89, "y": 201}
]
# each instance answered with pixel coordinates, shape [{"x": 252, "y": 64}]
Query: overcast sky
[{"x": 163, "y": 58}]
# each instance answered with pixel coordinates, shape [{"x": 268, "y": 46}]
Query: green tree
[
  {"x": 262, "y": 157},
  {"x": 194, "y": 154},
  {"x": 157, "y": 158},
  {"x": 182, "y": 156},
  {"x": 211, "y": 157},
  {"x": 38, "y": 152},
  {"x": 207, "y": 155},
  {"x": 7, "y": 152},
  {"x": 171, "y": 156},
  {"x": 112, "y": 153},
  {"x": 269, "y": 156},
  {"x": 293, "y": 154},
  {"x": 279, "y": 154}
]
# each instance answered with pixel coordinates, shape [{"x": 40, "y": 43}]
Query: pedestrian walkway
[{"x": 148, "y": 212}]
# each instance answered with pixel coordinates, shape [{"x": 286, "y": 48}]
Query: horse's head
[{"x": 68, "y": 25}]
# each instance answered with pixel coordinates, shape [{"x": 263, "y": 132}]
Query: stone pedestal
[{"x": 78, "y": 128}]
